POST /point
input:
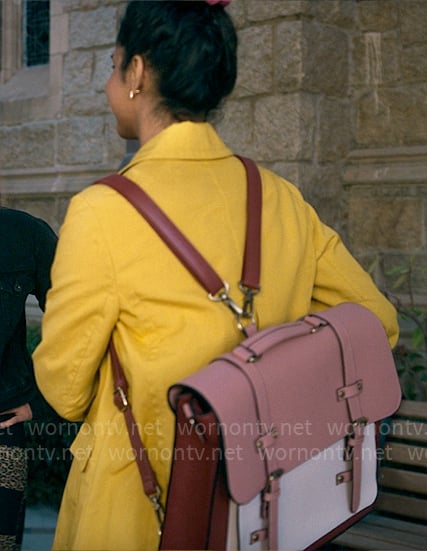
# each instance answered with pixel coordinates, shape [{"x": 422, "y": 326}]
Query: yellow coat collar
[{"x": 183, "y": 140}]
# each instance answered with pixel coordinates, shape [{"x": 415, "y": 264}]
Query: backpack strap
[
  {"x": 204, "y": 274},
  {"x": 183, "y": 248}
]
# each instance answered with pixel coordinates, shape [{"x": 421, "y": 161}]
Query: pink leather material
[
  {"x": 291, "y": 390},
  {"x": 349, "y": 391}
]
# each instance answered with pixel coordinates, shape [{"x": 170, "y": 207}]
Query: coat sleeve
[
  {"x": 80, "y": 313},
  {"x": 340, "y": 278}
]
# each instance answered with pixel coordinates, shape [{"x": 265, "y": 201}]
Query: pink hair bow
[{"x": 222, "y": 3}]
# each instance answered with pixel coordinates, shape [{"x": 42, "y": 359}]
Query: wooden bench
[{"x": 399, "y": 521}]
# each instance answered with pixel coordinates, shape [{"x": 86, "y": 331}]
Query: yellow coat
[{"x": 112, "y": 274}]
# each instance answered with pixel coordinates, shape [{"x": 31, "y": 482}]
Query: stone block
[
  {"x": 255, "y": 61},
  {"x": 392, "y": 116},
  {"x": 21, "y": 111},
  {"x": 326, "y": 60},
  {"x": 334, "y": 136},
  {"x": 258, "y": 10},
  {"x": 413, "y": 22},
  {"x": 414, "y": 63},
  {"x": 336, "y": 12},
  {"x": 26, "y": 84},
  {"x": 326, "y": 182},
  {"x": 78, "y": 71},
  {"x": 86, "y": 105},
  {"x": 81, "y": 141},
  {"x": 394, "y": 223},
  {"x": 378, "y": 16},
  {"x": 237, "y": 12},
  {"x": 289, "y": 58},
  {"x": 27, "y": 146},
  {"x": 311, "y": 57},
  {"x": 93, "y": 28},
  {"x": 236, "y": 128},
  {"x": 115, "y": 146},
  {"x": 284, "y": 127},
  {"x": 376, "y": 59},
  {"x": 102, "y": 71}
]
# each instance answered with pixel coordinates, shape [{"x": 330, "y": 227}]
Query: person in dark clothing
[{"x": 27, "y": 248}]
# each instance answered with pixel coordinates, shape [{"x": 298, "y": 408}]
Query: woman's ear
[{"x": 136, "y": 72}]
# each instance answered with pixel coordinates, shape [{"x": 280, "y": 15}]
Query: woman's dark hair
[{"x": 191, "y": 47}]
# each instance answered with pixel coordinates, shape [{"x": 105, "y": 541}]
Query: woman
[
  {"x": 173, "y": 65},
  {"x": 27, "y": 247}
]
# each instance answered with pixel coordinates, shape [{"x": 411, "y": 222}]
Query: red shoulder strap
[
  {"x": 207, "y": 277},
  {"x": 183, "y": 248}
]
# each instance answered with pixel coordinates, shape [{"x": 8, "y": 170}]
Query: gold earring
[{"x": 133, "y": 93}]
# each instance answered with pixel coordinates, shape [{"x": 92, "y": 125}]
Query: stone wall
[
  {"x": 57, "y": 133},
  {"x": 385, "y": 172},
  {"x": 331, "y": 94}
]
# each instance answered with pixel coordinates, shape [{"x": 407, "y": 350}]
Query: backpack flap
[{"x": 288, "y": 392}]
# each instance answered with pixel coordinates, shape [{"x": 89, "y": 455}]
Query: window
[
  {"x": 24, "y": 35},
  {"x": 35, "y": 32}
]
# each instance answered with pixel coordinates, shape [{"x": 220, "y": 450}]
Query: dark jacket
[{"x": 27, "y": 247}]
